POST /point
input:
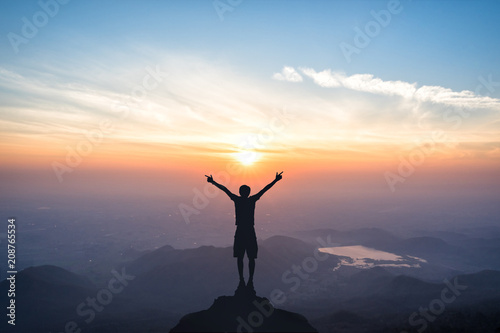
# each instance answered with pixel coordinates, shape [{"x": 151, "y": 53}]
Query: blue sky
[{"x": 447, "y": 43}]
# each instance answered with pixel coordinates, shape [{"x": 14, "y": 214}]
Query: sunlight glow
[{"x": 247, "y": 157}]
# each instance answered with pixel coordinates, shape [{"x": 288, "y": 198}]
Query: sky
[{"x": 353, "y": 100}]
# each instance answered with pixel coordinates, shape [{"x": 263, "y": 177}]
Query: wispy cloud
[
  {"x": 288, "y": 74},
  {"x": 197, "y": 104},
  {"x": 371, "y": 84}
]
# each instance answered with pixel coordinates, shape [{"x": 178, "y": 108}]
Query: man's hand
[
  {"x": 210, "y": 179},
  {"x": 279, "y": 176}
]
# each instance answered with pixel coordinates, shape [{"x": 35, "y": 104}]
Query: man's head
[{"x": 244, "y": 191}]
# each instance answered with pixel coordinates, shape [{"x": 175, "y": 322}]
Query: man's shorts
[{"x": 245, "y": 240}]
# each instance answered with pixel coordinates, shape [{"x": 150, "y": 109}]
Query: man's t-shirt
[{"x": 245, "y": 209}]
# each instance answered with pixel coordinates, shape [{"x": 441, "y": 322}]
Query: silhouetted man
[{"x": 244, "y": 238}]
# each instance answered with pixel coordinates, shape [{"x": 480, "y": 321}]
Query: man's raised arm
[
  {"x": 268, "y": 186},
  {"x": 210, "y": 179}
]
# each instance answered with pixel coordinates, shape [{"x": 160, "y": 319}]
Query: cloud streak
[
  {"x": 368, "y": 83},
  {"x": 288, "y": 74}
]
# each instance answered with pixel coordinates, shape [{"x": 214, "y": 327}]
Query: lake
[{"x": 364, "y": 257}]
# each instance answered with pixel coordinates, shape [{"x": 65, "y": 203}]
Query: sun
[{"x": 247, "y": 157}]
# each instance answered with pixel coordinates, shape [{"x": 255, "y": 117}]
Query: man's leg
[
  {"x": 240, "y": 268},
  {"x": 252, "y": 249},
  {"x": 251, "y": 268}
]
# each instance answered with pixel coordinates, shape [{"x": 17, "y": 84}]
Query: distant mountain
[
  {"x": 365, "y": 282},
  {"x": 413, "y": 292},
  {"x": 370, "y": 237},
  {"x": 451, "y": 237},
  {"x": 487, "y": 280},
  {"x": 285, "y": 247},
  {"x": 474, "y": 305},
  {"x": 423, "y": 247},
  {"x": 367, "y": 275},
  {"x": 54, "y": 275},
  {"x": 46, "y": 298}
]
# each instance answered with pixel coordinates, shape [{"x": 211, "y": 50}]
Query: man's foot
[
  {"x": 250, "y": 288},
  {"x": 240, "y": 290}
]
